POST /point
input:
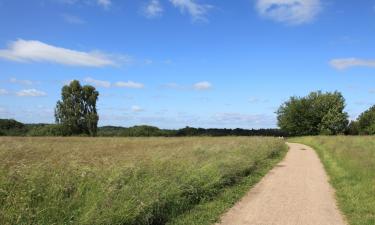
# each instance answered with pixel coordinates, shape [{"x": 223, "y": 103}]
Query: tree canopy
[
  {"x": 76, "y": 112},
  {"x": 366, "y": 122},
  {"x": 317, "y": 113}
]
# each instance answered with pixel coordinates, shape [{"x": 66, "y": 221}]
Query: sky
[{"x": 177, "y": 63}]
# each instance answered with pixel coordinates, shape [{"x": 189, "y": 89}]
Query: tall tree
[
  {"x": 317, "y": 113},
  {"x": 76, "y": 111}
]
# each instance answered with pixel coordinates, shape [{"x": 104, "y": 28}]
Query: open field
[
  {"x": 128, "y": 180},
  {"x": 350, "y": 163}
]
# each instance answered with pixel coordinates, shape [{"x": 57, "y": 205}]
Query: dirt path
[{"x": 295, "y": 192}]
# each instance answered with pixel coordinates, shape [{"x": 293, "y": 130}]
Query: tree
[
  {"x": 366, "y": 122},
  {"x": 317, "y": 113},
  {"x": 353, "y": 128},
  {"x": 76, "y": 112}
]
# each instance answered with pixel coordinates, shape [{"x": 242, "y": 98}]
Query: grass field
[
  {"x": 128, "y": 180},
  {"x": 350, "y": 163}
]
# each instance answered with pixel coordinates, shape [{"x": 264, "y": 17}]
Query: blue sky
[{"x": 176, "y": 63}]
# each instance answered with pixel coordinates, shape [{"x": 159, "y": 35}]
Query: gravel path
[{"x": 295, "y": 192}]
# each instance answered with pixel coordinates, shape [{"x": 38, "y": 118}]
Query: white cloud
[
  {"x": 372, "y": 91},
  {"x": 292, "y": 12},
  {"x": 104, "y": 3},
  {"x": 73, "y": 19},
  {"x": 346, "y": 63},
  {"x": 129, "y": 84},
  {"x": 3, "y": 91},
  {"x": 98, "y": 83},
  {"x": 136, "y": 108},
  {"x": 31, "y": 93},
  {"x": 196, "y": 11},
  {"x": 153, "y": 9},
  {"x": 36, "y": 51},
  {"x": 22, "y": 82},
  {"x": 204, "y": 85}
]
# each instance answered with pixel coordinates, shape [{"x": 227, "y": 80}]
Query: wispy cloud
[
  {"x": 153, "y": 9},
  {"x": 30, "y": 93},
  {"x": 136, "y": 108},
  {"x": 73, "y": 19},
  {"x": 3, "y": 91},
  {"x": 104, "y": 3},
  {"x": 21, "y": 82},
  {"x": 198, "y": 12},
  {"x": 203, "y": 85},
  {"x": 98, "y": 83},
  {"x": 129, "y": 84},
  {"x": 293, "y": 12},
  {"x": 346, "y": 63},
  {"x": 36, "y": 51}
]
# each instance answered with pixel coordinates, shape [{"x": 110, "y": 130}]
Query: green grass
[
  {"x": 350, "y": 163},
  {"x": 128, "y": 180}
]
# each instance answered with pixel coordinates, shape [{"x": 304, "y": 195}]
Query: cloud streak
[
  {"x": 153, "y": 9},
  {"x": 346, "y": 63},
  {"x": 129, "y": 84},
  {"x": 3, "y": 91},
  {"x": 98, "y": 83},
  {"x": 30, "y": 93},
  {"x": 292, "y": 12},
  {"x": 36, "y": 51},
  {"x": 73, "y": 19},
  {"x": 203, "y": 85},
  {"x": 198, "y": 12}
]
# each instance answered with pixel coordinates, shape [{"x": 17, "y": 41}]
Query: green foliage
[
  {"x": 48, "y": 130},
  {"x": 77, "y": 109},
  {"x": 353, "y": 128},
  {"x": 317, "y": 113},
  {"x": 350, "y": 164},
  {"x": 126, "y": 180},
  {"x": 150, "y": 131},
  {"x": 10, "y": 127},
  {"x": 366, "y": 122}
]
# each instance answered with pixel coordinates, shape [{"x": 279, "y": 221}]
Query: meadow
[
  {"x": 350, "y": 163},
  {"x": 77, "y": 180}
]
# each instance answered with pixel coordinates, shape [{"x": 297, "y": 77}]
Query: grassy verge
[
  {"x": 350, "y": 163},
  {"x": 127, "y": 180}
]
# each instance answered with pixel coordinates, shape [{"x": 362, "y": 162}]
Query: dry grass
[{"x": 120, "y": 180}]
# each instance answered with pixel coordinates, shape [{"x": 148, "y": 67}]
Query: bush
[{"x": 48, "y": 130}]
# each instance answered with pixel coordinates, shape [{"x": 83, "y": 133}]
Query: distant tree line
[
  {"x": 315, "y": 114},
  {"x": 18, "y": 129},
  {"x": 322, "y": 114}
]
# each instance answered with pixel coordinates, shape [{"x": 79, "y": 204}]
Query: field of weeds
[{"x": 127, "y": 180}]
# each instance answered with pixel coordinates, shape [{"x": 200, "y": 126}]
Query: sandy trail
[{"x": 295, "y": 192}]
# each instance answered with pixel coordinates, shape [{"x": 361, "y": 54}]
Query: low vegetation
[
  {"x": 350, "y": 163},
  {"x": 128, "y": 180},
  {"x": 15, "y": 128}
]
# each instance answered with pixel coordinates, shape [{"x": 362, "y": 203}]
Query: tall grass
[
  {"x": 121, "y": 180},
  {"x": 350, "y": 163}
]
